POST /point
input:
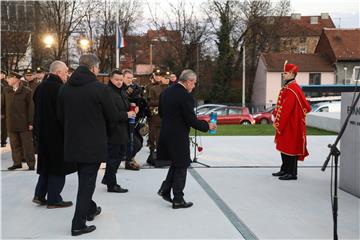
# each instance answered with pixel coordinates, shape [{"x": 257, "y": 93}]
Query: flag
[{"x": 120, "y": 43}]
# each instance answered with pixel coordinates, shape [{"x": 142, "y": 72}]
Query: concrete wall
[
  {"x": 259, "y": 88},
  {"x": 324, "y": 120},
  {"x": 350, "y": 148},
  {"x": 273, "y": 86}
]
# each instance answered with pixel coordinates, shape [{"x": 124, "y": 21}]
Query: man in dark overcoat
[
  {"x": 118, "y": 133},
  {"x": 49, "y": 135},
  {"x": 176, "y": 110},
  {"x": 85, "y": 108}
]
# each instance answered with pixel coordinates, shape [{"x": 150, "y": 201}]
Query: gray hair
[
  {"x": 187, "y": 74},
  {"x": 89, "y": 60},
  {"x": 56, "y": 66}
]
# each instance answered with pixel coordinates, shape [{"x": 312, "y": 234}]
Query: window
[
  {"x": 21, "y": 14},
  {"x": 12, "y": 11},
  {"x": 233, "y": 111},
  {"x": 221, "y": 111},
  {"x": 314, "y": 78},
  {"x": 323, "y": 109},
  {"x": 4, "y": 14},
  {"x": 356, "y": 73},
  {"x": 302, "y": 50}
]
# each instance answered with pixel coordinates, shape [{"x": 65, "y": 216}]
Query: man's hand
[
  {"x": 212, "y": 126},
  {"x": 131, "y": 114},
  {"x": 31, "y": 127},
  {"x": 130, "y": 90}
]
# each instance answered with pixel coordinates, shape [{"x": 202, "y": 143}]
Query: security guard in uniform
[
  {"x": 40, "y": 74},
  {"x": 19, "y": 108},
  {"x": 154, "y": 119},
  {"x": 4, "y": 84},
  {"x": 30, "y": 79}
]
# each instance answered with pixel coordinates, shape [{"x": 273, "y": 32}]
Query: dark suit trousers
[
  {"x": 50, "y": 185},
  {"x": 3, "y": 131},
  {"x": 87, "y": 173},
  {"x": 175, "y": 180},
  {"x": 289, "y": 164},
  {"x": 116, "y": 154},
  {"x": 22, "y": 147}
]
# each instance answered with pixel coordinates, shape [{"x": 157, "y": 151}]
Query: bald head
[{"x": 60, "y": 69}]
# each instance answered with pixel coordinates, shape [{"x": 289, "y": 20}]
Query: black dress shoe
[
  {"x": 288, "y": 177},
  {"x": 31, "y": 168},
  {"x": 13, "y": 167},
  {"x": 86, "y": 229},
  {"x": 40, "y": 201},
  {"x": 181, "y": 204},
  {"x": 117, "y": 189},
  {"x": 3, "y": 145},
  {"x": 164, "y": 192},
  {"x": 92, "y": 216},
  {"x": 279, "y": 174},
  {"x": 62, "y": 204},
  {"x": 165, "y": 195}
]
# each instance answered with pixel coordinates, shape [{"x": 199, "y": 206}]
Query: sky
[{"x": 345, "y": 13}]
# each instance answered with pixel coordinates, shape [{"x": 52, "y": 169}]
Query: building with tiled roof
[
  {"x": 314, "y": 69},
  {"x": 300, "y": 34},
  {"x": 342, "y": 48}
]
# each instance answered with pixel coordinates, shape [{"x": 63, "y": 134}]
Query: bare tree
[
  {"x": 185, "y": 31},
  {"x": 14, "y": 45},
  {"x": 100, "y": 26},
  {"x": 236, "y": 24},
  {"x": 62, "y": 18}
]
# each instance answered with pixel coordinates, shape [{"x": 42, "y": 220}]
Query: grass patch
[{"x": 254, "y": 130}]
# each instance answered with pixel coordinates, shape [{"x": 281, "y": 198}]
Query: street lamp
[
  {"x": 84, "y": 44},
  {"x": 49, "y": 41}
]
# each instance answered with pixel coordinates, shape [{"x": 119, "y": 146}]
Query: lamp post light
[
  {"x": 49, "y": 41},
  {"x": 84, "y": 44}
]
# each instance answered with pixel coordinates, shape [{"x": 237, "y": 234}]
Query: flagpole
[{"x": 117, "y": 36}]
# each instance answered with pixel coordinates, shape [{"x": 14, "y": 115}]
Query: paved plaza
[{"x": 233, "y": 199}]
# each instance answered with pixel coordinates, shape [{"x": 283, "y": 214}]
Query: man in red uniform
[{"x": 290, "y": 113}]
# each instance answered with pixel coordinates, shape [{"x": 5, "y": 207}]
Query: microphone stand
[{"x": 335, "y": 153}]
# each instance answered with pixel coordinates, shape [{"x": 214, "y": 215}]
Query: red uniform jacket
[{"x": 290, "y": 113}]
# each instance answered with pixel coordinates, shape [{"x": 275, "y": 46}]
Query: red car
[
  {"x": 230, "y": 115},
  {"x": 264, "y": 117}
]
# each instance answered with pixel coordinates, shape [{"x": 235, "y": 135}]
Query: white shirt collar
[{"x": 182, "y": 85}]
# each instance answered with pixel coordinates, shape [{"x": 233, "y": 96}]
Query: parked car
[
  {"x": 264, "y": 117},
  {"x": 202, "y": 109},
  {"x": 230, "y": 115},
  {"x": 327, "y": 107}
]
